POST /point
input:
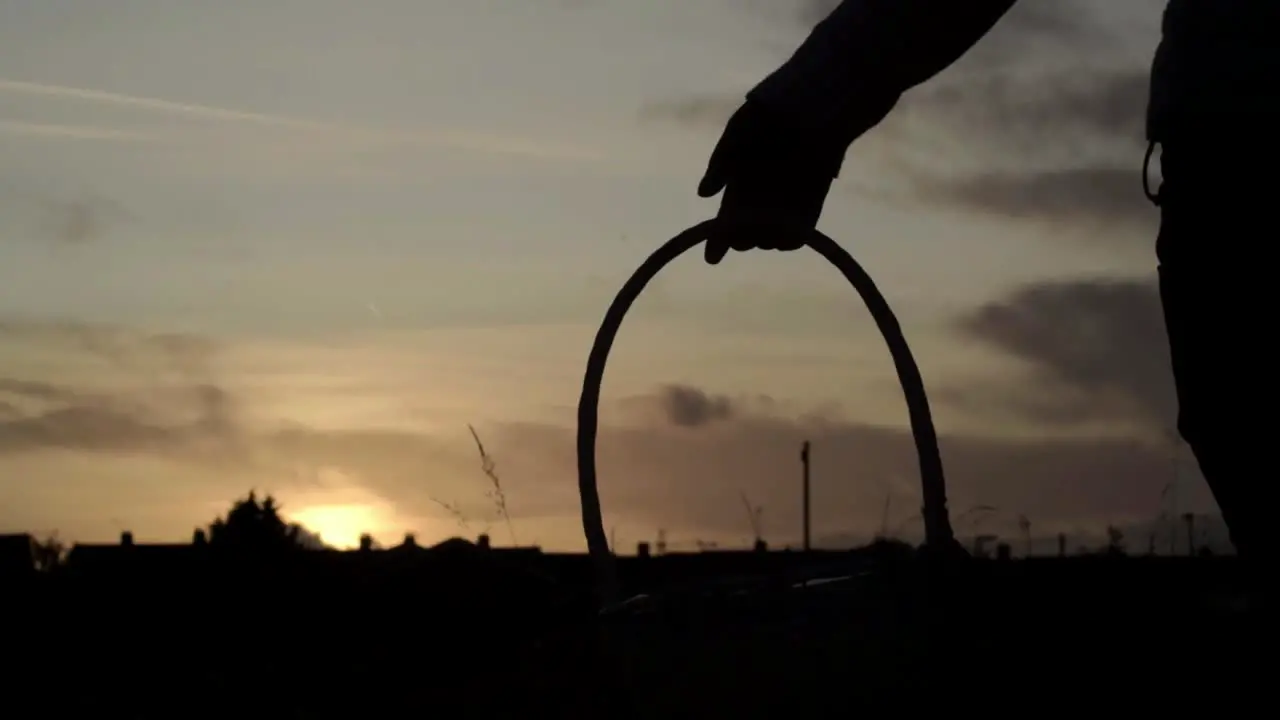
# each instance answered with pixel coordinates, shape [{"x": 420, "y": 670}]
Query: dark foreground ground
[{"x": 1015, "y": 637}]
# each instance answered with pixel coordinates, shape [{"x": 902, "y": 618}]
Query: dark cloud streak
[
  {"x": 686, "y": 406},
  {"x": 178, "y": 403},
  {"x": 1096, "y": 347},
  {"x": 1086, "y": 198},
  {"x": 1044, "y": 110}
]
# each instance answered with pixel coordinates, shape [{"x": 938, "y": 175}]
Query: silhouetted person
[{"x": 1214, "y": 104}]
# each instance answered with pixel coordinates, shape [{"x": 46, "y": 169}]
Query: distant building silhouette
[{"x": 17, "y": 555}]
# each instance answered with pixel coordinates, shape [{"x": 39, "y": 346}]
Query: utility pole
[
  {"x": 804, "y": 460},
  {"x": 1024, "y": 525}
]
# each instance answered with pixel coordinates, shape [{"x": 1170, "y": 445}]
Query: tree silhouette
[
  {"x": 49, "y": 553},
  {"x": 1115, "y": 540},
  {"x": 255, "y": 526}
]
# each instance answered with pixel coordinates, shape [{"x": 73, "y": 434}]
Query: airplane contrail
[
  {"x": 74, "y": 132},
  {"x": 169, "y": 106},
  {"x": 462, "y": 141}
]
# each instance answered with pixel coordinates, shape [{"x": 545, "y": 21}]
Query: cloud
[
  {"x": 1048, "y": 115},
  {"x": 33, "y": 389},
  {"x": 166, "y": 398},
  {"x": 94, "y": 429},
  {"x": 1051, "y": 112},
  {"x": 688, "y": 478},
  {"x": 1050, "y": 147},
  {"x": 61, "y": 219},
  {"x": 675, "y": 457},
  {"x": 1089, "y": 197},
  {"x": 1096, "y": 350},
  {"x": 75, "y": 222},
  {"x": 1044, "y": 118},
  {"x": 707, "y": 111},
  {"x": 120, "y": 347},
  {"x": 685, "y": 406},
  {"x": 115, "y": 393},
  {"x": 328, "y": 131}
]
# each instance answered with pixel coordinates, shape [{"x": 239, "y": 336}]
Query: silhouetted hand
[
  {"x": 775, "y": 166},
  {"x": 775, "y": 180}
]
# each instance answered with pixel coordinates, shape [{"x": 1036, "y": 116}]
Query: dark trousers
[{"x": 1219, "y": 211}]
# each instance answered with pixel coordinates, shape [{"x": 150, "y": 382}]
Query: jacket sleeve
[{"x": 858, "y": 61}]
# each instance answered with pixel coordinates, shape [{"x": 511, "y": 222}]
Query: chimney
[
  {"x": 642, "y": 549},
  {"x": 761, "y": 545},
  {"x": 410, "y": 540},
  {"x": 1062, "y": 544},
  {"x": 366, "y": 542},
  {"x": 126, "y": 538},
  {"x": 199, "y": 538},
  {"x": 483, "y": 541}
]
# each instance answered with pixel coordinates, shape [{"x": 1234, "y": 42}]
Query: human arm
[
  {"x": 858, "y": 61},
  {"x": 781, "y": 150}
]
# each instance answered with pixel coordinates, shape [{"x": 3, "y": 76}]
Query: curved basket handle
[{"x": 936, "y": 521}]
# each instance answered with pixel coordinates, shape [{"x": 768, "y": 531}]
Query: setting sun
[{"x": 340, "y": 526}]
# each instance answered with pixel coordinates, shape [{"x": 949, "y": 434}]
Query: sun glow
[{"x": 341, "y": 525}]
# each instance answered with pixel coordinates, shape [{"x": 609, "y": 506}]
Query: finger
[
  {"x": 717, "y": 245},
  {"x": 715, "y": 252},
  {"x": 726, "y": 233},
  {"x": 717, "y": 174},
  {"x": 715, "y": 178},
  {"x": 735, "y": 227}
]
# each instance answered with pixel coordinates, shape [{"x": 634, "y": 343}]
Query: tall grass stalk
[{"x": 496, "y": 494}]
